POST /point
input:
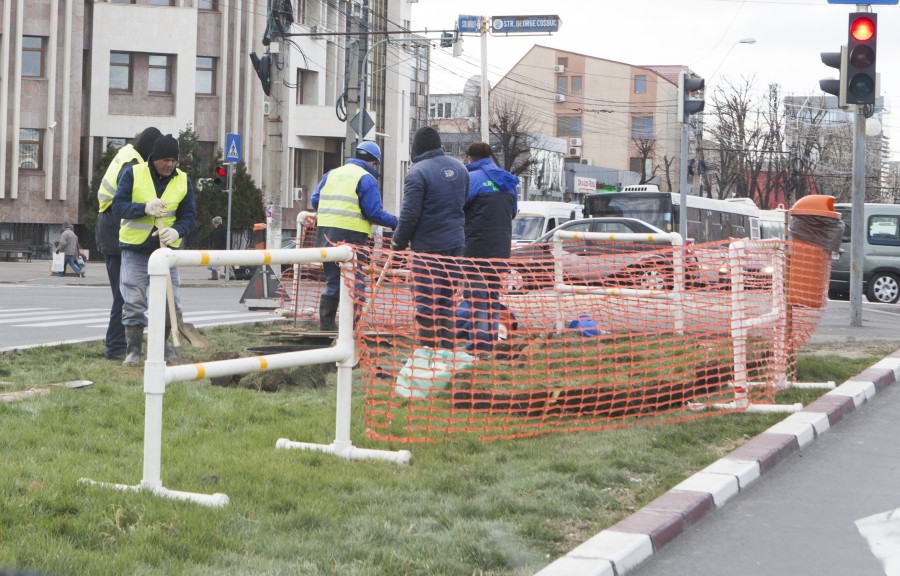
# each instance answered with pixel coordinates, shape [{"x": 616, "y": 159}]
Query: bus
[
  {"x": 773, "y": 223},
  {"x": 709, "y": 220}
]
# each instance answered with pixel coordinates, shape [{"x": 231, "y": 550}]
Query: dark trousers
[
  {"x": 328, "y": 236},
  {"x": 483, "y": 295},
  {"x": 115, "y": 332},
  {"x": 434, "y": 281}
]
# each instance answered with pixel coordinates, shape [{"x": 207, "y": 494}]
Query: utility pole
[
  {"x": 275, "y": 110},
  {"x": 485, "y": 103},
  {"x": 358, "y": 24}
]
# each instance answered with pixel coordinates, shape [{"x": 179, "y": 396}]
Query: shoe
[{"x": 83, "y": 275}]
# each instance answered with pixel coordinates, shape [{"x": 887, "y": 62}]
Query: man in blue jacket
[
  {"x": 348, "y": 201},
  {"x": 490, "y": 209},
  {"x": 432, "y": 223}
]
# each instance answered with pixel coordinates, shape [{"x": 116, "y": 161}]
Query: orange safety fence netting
[{"x": 586, "y": 336}]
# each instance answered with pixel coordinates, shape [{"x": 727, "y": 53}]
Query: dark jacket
[
  {"x": 124, "y": 208},
  {"x": 218, "y": 238},
  {"x": 434, "y": 193},
  {"x": 490, "y": 209}
]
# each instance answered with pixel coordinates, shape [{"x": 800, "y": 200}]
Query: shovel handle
[{"x": 170, "y": 294}]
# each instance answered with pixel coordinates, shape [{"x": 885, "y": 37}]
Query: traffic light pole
[
  {"x": 683, "y": 184},
  {"x": 858, "y": 221},
  {"x": 228, "y": 224}
]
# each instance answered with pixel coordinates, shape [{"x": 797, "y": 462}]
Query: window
[
  {"x": 635, "y": 164},
  {"x": 160, "y": 80},
  {"x": 207, "y": 5},
  {"x": 884, "y": 230},
  {"x": 562, "y": 84},
  {"x": 576, "y": 84},
  {"x": 122, "y": 1},
  {"x": 562, "y": 61},
  {"x": 640, "y": 84},
  {"x": 33, "y": 56},
  {"x": 568, "y": 126},
  {"x": 642, "y": 127},
  {"x": 30, "y": 149},
  {"x": 120, "y": 71},
  {"x": 115, "y": 143},
  {"x": 161, "y": 2},
  {"x": 206, "y": 75}
]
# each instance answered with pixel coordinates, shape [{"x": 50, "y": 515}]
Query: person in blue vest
[
  {"x": 347, "y": 202},
  {"x": 107, "y": 233},
  {"x": 490, "y": 208},
  {"x": 147, "y": 191}
]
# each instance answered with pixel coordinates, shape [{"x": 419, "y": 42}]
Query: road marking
[{"x": 882, "y": 532}]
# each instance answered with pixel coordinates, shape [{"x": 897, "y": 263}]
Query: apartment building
[
  {"x": 612, "y": 115},
  {"x": 78, "y": 77}
]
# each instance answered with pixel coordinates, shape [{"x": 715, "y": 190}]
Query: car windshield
[{"x": 527, "y": 226}]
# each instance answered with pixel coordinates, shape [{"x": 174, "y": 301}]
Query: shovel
[
  {"x": 368, "y": 304},
  {"x": 186, "y": 329}
]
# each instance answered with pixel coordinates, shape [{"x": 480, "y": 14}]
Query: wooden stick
[{"x": 170, "y": 293}]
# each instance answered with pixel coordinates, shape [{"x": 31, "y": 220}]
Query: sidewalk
[{"x": 38, "y": 272}]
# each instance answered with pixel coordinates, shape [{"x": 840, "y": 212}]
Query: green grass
[{"x": 461, "y": 507}]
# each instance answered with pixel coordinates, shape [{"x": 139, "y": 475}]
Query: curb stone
[{"x": 630, "y": 542}]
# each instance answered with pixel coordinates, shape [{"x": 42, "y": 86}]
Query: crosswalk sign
[{"x": 232, "y": 147}]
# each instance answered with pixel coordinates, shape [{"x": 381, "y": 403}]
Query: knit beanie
[
  {"x": 426, "y": 138},
  {"x": 145, "y": 140},
  {"x": 165, "y": 147}
]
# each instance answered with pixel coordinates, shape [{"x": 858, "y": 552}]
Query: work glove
[
  {"x": 155, "y": 207},
  {"x": 167, "y": 236}
]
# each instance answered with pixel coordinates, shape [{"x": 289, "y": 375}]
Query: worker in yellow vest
[
  {"x": 348, "y": 202},
  {"x": 107, "y": 233},
  {"x": 146, "y": 191}
]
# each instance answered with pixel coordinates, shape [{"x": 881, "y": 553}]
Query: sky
[{"x": 702, "y": 34}]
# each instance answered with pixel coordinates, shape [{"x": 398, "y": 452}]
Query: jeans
[
  {"x": 70, "y": 262},
  {"x": 135, "y": 282},
  {"x": 115, "y": 332},
  {"x": 434, "y": 281},
  {"x": 483, "y": 295}
]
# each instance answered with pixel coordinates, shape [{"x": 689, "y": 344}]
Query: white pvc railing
[{"x": 157, "y": 375}]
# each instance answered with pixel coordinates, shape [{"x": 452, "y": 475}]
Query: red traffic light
[
  {"x": 220, "y": 175},
  {"x": 221, "y": 172},
  {"x": 862, "y": 29}
]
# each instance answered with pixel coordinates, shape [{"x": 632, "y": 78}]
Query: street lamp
[{"x": 722, "y": 61}]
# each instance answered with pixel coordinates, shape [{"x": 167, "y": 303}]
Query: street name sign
[
  {"x": 524, "y": 24},
  {"x": 468, "y": 24}
]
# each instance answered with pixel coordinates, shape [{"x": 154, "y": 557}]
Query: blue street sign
[
  {"x": 470, "y": 24},
  {"x": 882, "y": 2},
  {"x": 232, "y": 147},
  {"x": 519, "y": 24}
]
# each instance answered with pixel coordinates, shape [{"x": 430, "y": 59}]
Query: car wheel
[{"x": 884, "y": 288}]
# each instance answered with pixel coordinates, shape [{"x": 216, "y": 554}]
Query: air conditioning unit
[
  {"x": 574, "y": 150},
  {"x": 559, "y": 98},
  {"x": 574, "y": 141},
  {"x": 298, "y": 194},
  {"x": 318, "y": 30},
  {"x": 559, "y": 68},
  {"x": 587, "y": 161}
]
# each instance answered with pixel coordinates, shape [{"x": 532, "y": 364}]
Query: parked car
[
  {"x": 589, "y": 263},
  {"x": 881, "y": 254}
]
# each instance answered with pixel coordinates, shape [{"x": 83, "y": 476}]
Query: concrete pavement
[{"x": 38, "y": 272}]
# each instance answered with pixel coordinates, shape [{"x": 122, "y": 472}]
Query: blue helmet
[{"x": 371, "y": 149}]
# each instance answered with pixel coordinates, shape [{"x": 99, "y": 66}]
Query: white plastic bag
[
  {"x": 59, "y": 263},
  {"x": 428, "y": 370}
]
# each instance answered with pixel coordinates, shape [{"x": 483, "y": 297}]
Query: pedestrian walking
[
  {"x": 68, "y": 245},
  {"x": 432, "y": 223},
  {"x": 217, "y": 241},
  {"x": 490, "y": 209},
  {"x": 147, "y": 191},
  {"x": 106, "y": 233},
  {"x": 348, "y": 203}
]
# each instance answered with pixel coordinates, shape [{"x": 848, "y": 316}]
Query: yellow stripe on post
[
  {"x": 204, "y": 257},
  {"x": 201, "y": 371},
  {"x": 323, "y": 253},
  {"x": 267, "y": 257},
  {"x": 263, "y": 364}
]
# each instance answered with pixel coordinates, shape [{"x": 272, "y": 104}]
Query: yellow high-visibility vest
[
  {"x": 107, "y": 189},
  {"x": 339, "y": 203},
  {"x": 136, "y": 232}
]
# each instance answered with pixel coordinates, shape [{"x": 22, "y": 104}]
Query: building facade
[{"x": 78, "y": 77}]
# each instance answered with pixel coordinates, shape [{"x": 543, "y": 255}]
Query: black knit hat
[
  {"x": 165, "y": 147},
  {"x": 426, "y": 138},
  {"x": 145, "y": 140}
]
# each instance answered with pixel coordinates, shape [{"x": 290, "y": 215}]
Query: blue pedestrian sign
[
  {"x": 469, "y": 24},
  {"x": 526, "y": 24},
  {"x": 232, "y": 147}
]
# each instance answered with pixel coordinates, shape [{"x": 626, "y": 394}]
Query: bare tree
[
  {"x": 646, "y": 148},
  {"x": 512, "y": 127}
]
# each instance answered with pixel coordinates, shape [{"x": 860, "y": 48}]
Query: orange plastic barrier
[{"x": 602, "y": 336}]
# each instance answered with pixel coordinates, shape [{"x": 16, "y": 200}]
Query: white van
[
  {"x": 881, "y": 254},
  {"x": 537, "y": 218}
]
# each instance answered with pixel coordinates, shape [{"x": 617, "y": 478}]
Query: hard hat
[{"x": 371, "y": 149}]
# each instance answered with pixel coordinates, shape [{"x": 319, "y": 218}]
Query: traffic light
[
  {"x": 220, "y": 175},
  {"x": 686, "y": 104},
  {"x": 446, "y": 39},
  {"x": 830, "y": 85},
  {"x": 861, "y": 85}
]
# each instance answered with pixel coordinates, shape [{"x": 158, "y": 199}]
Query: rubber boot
[
  {"x": 134, "y": 339},
  {"x": 327, "y": 312},
  {"x": 445, "y": 333},
  {"x": 170, "y": 353}
]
